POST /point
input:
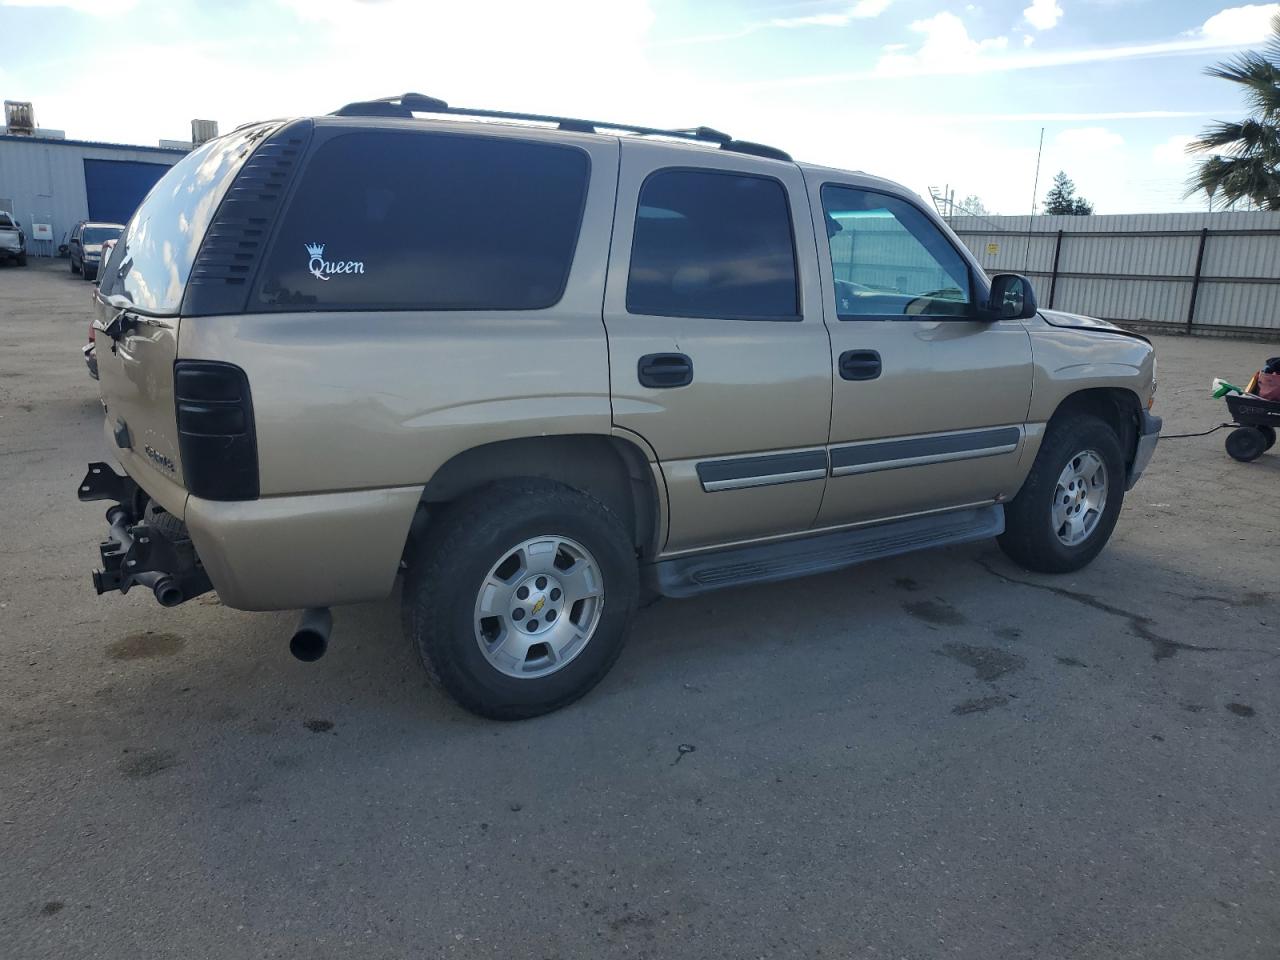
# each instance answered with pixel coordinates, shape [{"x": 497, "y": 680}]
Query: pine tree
[{"x": 1062, "y": 198}]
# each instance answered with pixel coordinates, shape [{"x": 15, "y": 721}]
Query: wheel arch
[
  {"x": 1119, "y": 407},
  {"x": 613, "y": 470}
]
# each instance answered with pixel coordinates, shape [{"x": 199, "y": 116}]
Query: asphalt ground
[{"x": 937, "y": 756}]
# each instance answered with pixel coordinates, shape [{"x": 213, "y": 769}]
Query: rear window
[
  {"x": 161, "y": 240},
  {"x": 100, "y": 234},
  {"x": 5, "y": 221},
  {"x": 713, "y": 244},
  {"x": 428, "y": 221}
]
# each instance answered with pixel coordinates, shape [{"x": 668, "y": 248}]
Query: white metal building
[
  {"x": 46, "y": 180},
  {"x": 1182, "y": 272}
]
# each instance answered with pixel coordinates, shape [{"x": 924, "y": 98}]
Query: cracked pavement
[{"x": 936, "y": 756}]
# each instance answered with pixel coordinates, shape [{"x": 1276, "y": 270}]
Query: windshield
[
  {"x": 153, "y": 259},
  {"x": 99, "y": 234}
]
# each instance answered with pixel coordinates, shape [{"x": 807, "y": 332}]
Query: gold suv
[{"x": 538, "y": 366}]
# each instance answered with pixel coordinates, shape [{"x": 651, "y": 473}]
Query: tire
[
  {"x": 1270, "y": 434},
  {"x": 1033, "y": 537},
  {"x": 466, "y": 559},
  {"x": 1246, "y": 443},
  {"x": 164, "y": 523},
  {"x": 74, "y": 268},
  {"x": 22, "y": 260}
]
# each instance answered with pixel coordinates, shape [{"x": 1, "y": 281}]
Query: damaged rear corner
[{"x": 140, "y": 551}]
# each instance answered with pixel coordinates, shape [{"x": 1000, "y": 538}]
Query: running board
[{"x": 766, "y": 563}]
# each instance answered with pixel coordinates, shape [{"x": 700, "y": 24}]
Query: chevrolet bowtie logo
[{"x": 542, "y": 602}]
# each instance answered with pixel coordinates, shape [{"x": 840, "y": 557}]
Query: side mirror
[{"x": 1012, "y": 298}]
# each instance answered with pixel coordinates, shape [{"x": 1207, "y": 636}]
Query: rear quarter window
[
  {"x": 161, "y": 241},
  {"x": 428, "y": 221}
]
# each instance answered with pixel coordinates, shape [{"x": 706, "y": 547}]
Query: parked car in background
[
  {"x": 85, "y": 247},
  {"x": 606, "y": 364},
  {"x": 13, "y": 242}
]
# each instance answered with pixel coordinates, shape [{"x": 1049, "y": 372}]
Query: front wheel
[
  {"x": 520, "y": 597},
  {"x": 1065, "y": 512},
  {"x": 22, "y": 259}
]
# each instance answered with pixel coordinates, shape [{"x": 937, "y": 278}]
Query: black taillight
[{"x": 215, "y": 430}]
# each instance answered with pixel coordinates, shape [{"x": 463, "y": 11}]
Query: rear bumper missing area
[{"x": 139, "y": 554}]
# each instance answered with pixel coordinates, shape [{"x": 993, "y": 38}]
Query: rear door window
[
  {"x": 713, "y": 244},
  {"x": 428, "y": 221},
  {"x": 162, "y": 239}
]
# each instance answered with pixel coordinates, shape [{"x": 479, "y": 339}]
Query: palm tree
[{"x": 1243, "y": 165}]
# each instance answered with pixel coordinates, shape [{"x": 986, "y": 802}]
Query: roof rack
[{"x": 406, "y": 105}]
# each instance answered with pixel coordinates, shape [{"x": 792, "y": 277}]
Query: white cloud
[
  {"x": 946, "y": 48},
  {"x": 93, "y": 7},
  {"x": 1173, "y": 152},
  {"x": 1239, "y": 25},
  {"x": 1028, "y": 39},
  {"x": 1088, "y": 141},
  {"x": 1043, "y": 14},
  {"x": 862, "y": 10}
]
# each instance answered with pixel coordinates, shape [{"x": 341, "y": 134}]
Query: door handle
[
  {"x": 664, "y": 370},
  {"x": 860, "y": 365}
]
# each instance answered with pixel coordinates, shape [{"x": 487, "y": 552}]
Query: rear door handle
[
  {"x": 664, "y": 370},
  {"x": 860, "y": 365}
]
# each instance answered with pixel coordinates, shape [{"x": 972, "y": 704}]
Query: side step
[{"x": 765, "y": 563}]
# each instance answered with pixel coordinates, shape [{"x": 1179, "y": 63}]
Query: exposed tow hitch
[
  {"x": 135, "y": 553},
  {"x": 311, "y": 638}
]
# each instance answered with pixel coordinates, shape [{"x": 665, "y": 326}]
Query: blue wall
[{"x": 116, "y": 187}]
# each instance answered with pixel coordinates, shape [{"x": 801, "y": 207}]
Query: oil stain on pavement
[
  {"x": 988, "y": 663},
  {"x": 143, "y": 646},
  {"x": 936, "y": 612},
  {"x": 978, "y": 705},
  {"x": 148, "y": 764}
]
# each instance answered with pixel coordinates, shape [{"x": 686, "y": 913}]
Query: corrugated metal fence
[{"x": 1206, "y": 273}]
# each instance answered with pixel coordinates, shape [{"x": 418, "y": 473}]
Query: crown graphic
[{"x": 315, "y": 249}]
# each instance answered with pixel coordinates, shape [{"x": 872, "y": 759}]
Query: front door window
[{"x": 890, "y": 261}]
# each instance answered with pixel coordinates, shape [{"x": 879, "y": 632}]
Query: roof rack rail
[{"x": 406, "y": 105}]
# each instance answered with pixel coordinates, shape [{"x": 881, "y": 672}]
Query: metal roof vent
[
  {"x": 202, "y": 131},
  {"x": 20, "y": 117}
]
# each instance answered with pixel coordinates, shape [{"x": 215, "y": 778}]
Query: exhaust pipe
[{"x": 311, "y": 638}]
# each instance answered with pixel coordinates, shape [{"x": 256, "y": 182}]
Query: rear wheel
[
  {"x": 22, "y": 259},
  {"x": 1246, "y": 443},
  {"x": 1065, "y": 512},
  {"x": 74, "y": 268},
  {"x": 520, "y": 597},
  {"x": 1270, "y": 434}
]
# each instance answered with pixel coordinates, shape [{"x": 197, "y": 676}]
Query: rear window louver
[{"x": 233, "y": 245}]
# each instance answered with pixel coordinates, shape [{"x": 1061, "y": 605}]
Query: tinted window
[
  {"x": 889, "y": 259},
  {"x": 711, "y": 244},
  {"x": 5, "y": 221},
  {"x": 162, "y": 238},
  {"x": 429, "y": 222}
]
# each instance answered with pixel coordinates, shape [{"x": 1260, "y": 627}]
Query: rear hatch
[{"x": 138, "y": 304}]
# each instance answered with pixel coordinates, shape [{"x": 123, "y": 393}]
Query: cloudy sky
[{"x": 927, "y": 92}]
